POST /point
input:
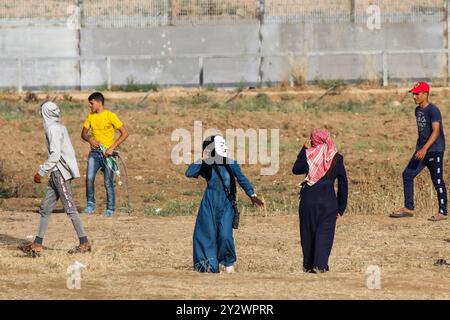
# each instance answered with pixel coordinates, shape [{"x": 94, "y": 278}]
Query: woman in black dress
[{"x": 319, "y": 206}]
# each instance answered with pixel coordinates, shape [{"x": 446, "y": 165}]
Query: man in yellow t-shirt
[{"x": 102, "y": 123}]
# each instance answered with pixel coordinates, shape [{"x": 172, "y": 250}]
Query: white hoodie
[{"x": 60, "y": 149}]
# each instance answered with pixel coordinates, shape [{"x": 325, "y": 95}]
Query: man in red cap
[{"x": 429, "y": 153}]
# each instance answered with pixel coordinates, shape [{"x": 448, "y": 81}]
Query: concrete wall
[
  {"x": 9, "y": 73},
  {"x": 38, "y": 42},
  {"x": 230, "y": 54},
  {"x": 46, "y": 43},
  {"x": 176, "y": 52},
  {"x": 180, "y": 71},
  {"x": 307, "y": 38},
  {"x": 417, "y": 66}
]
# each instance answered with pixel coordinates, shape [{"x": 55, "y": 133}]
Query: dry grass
[
  {"x": 144, "y": 255},
  {"x": 151, "y": 259}
]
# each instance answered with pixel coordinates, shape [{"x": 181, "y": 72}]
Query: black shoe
[{"x": 441, "y": 262}]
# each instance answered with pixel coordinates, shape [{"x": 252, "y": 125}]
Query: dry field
[{"x": 142, "y": 254}]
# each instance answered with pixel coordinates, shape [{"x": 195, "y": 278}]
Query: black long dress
[{"x": 318, "y": 209}]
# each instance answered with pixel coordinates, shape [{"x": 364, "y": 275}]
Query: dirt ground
[
  {"x": 144, "y": 254},
  {"x": 150, "y": 258}
]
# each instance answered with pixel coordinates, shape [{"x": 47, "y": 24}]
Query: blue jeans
[
  {"x": 434, "y": 162},
  {"x": 96, "y": 161}
]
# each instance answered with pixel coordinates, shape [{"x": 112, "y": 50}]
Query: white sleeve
[{"x": 55, "y": 141}]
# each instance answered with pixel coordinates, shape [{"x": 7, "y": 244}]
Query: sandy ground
[
  {"x": 146, "y": 256},
  {"x": 150, "y": 258}
]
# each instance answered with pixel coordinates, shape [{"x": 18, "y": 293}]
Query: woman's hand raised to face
[{"x": 307, "y": 144}]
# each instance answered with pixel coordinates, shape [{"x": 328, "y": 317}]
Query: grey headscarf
[
  {"x": 50, "y": 113},
  {"x": 60, "y": 150}
]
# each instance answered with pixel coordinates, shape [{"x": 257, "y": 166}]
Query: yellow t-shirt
[{"x": 103, "y": 125}]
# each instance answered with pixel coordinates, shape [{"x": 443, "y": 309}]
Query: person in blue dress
[
  {"x": 319, "y": 206},
  {"x": 213, "y": 234}
]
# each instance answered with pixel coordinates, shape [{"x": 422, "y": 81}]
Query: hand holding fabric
[
  {"x": 37, "y": 178},
  {"x": 109, "y": 152}
]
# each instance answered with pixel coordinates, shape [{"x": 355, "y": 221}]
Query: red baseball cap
[{"x": 420, "y": 87}]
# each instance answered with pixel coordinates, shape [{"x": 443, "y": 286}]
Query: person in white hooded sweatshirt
[{"x": 63, "y": 167}]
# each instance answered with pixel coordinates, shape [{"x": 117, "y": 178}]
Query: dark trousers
[
  {"x": 434, "y": 162},
  {"x": 317, "y": 228}
]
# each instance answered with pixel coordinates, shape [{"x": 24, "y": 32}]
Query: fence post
[
  {"x": 108, "y": 73},
  {"x": 80, "y": 82},
  {"x": 385, "y": 69},
  {"x": 261, "y": 13},
  {"x": 19, "y": 76},
  {"x": 80, "y": 13},
  {"x": 79, "y": 9},
  {"x": 170, "y": 12},
  {"x": 200, "y": 74},
  {"x": 261, "y": 10},
  {"x": 352, "y": 11},
  {"x": 291, "y": 63}
]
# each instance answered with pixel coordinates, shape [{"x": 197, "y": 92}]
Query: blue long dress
[
  {"x": 318, "y": 209},
  {"x": 213, "y": 233}
]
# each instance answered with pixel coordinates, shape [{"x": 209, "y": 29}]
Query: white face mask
[{"x": 220, "y": 146}]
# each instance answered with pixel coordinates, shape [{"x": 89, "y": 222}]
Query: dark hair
[
  {"x": 97, "y": 96},
  {"x": 206, "y": 169},
  {"x": 208, "y": 143}
]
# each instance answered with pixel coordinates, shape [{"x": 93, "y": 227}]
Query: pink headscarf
[{"x": 320, "y": 155}]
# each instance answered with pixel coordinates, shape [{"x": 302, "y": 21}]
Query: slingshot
[{"x": 112, "y": 163}]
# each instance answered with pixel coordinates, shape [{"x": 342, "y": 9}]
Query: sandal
[
  {"x": 441, "y": 262},
  {"x": 437, "y": 218},
  {"x": 402, "y": 213}
]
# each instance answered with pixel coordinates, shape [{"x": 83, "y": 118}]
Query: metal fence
[
  {"x": 66, "y": 65},
  {"x": 344, "y": 11},
  {"x": 384, "y": 75},
  {"x": 147, "y": 13},
  {"x": 35, "y": 9},
  {"x": 143, "y": 13}
]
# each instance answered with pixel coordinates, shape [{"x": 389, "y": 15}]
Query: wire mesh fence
[
  {"x": 142, "y": 13},
  {"x": 344, "y": 11},
  {"x": 415, "y": 11},
  {"x": 147, "y": 13}
]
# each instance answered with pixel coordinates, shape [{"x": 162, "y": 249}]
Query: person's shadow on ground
[
  {"x": 59, "y": 210},
  {"x": 7, "y": 240},
  {"x": 13, "y": 243}
]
